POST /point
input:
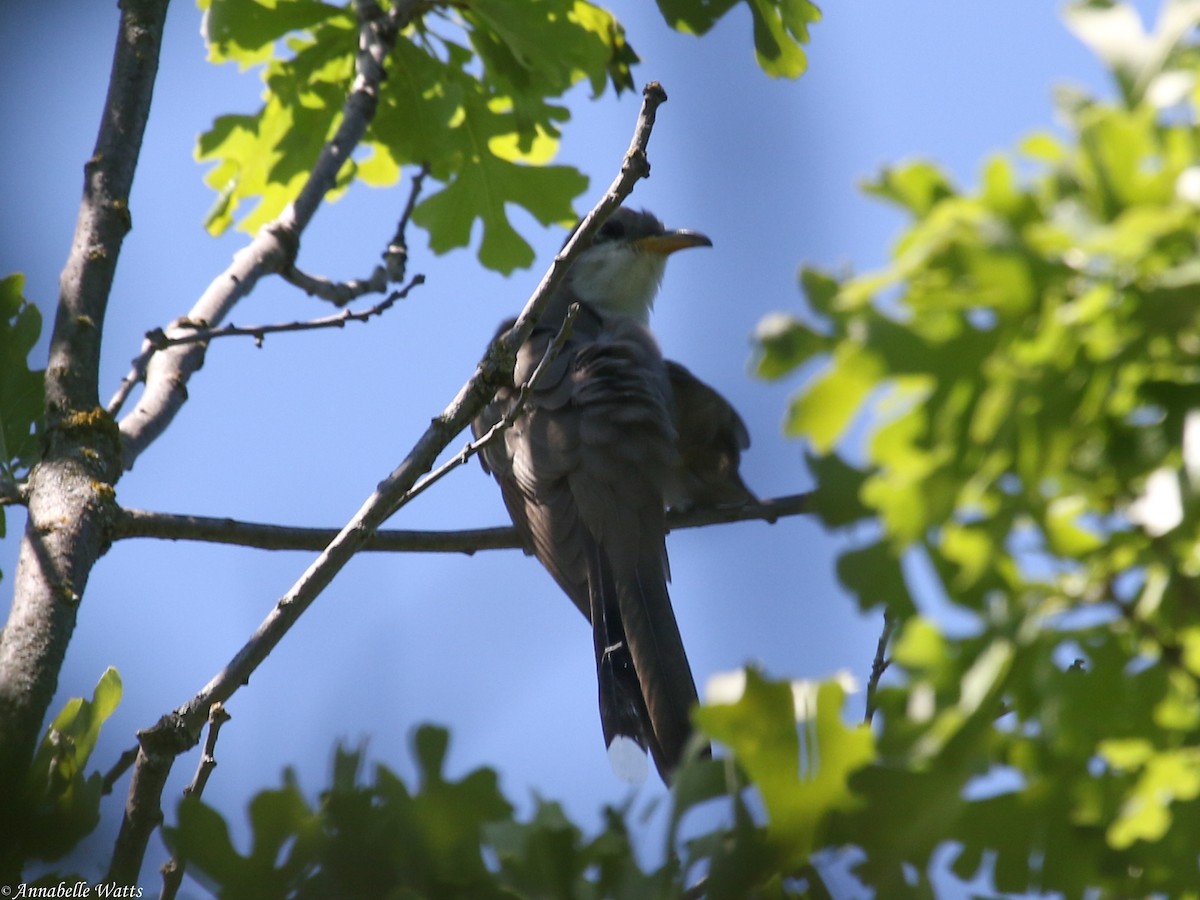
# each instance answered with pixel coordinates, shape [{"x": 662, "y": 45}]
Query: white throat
[{"x": 618, "y": 280}]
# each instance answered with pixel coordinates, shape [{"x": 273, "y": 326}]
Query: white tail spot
[{"x": 628, "y": 760}]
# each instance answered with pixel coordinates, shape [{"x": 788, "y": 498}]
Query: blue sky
[{"x": 300, "y": 431}]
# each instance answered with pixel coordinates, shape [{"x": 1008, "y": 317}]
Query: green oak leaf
[
  {"x": 798, "y": 789},
  {"x": 481, "y": 190},
  {"x": 243, "y": 31},
  {"x": 64, "y": 802}
]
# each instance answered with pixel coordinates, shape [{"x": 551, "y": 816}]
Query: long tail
[{"x": 645, "y": 682}]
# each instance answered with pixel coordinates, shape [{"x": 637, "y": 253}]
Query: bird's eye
[{"x": 612, "y": 230}]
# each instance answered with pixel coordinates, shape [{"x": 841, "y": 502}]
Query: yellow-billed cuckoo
[{"x": 611, "y": 436}]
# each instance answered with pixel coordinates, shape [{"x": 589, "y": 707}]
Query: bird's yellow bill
[{"x": 671, "y": 241}]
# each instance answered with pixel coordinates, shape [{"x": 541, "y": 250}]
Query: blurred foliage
[
  {"x": 61, "y": 802},
  {"x": 780, "y": 29},
  {"x": 462, "y": 839},
  {"x": 21, "y": 390},
  {"x": 1007, "y": 418},
  {"x": 473, "y": 92}
]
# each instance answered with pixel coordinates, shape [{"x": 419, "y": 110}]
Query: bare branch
[
  {"x": 272, "y": 250},
  {"x": 769, "y": 511},
  {"x": 138, "y": 523},
  {"x": 135, "y": 376},
  {"x": 120, "y": 767},
  {"x": 634, "y": 166},
  {"x": 879, "y": 665},
  {"x": 339, "y": 293},
  {"x": 395, "y": 257},
  {"x": 395, "y": 261},
  {"x": 12, "y": 492},
  {"x": 180, "y": 730},
  {"x": 143, "y": 806},
  {"x": 173, "y": 869},
  {"x": 258, "y": 332}
]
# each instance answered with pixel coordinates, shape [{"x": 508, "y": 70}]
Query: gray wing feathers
[
  {"x": 585, "y": 473},
  {"x": 711, "y": 439}
]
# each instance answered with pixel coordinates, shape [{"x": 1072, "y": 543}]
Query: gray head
[{"x": 619, "y": 274}]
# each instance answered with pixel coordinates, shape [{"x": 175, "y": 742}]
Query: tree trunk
[{"x": 71, "y": 488}]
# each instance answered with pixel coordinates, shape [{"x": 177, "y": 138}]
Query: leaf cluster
[
  {"x": 1008, "y": 415},
  {"x": 377, "y": 838},
  {"x": 474, "y": 93},
  {"x": 780, "y": 786},
  {"x": 61, "y": 802}
]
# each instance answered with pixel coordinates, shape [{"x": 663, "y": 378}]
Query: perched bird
[{"x": 611, "y": 435}]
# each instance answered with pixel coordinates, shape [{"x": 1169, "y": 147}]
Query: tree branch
[
  {"x": 173, "y": 868},
  {"x": 879, "y": 664},
  {"x": 189, "y": 331},
  {"x": 69, "y": 490},
  {"x": 272, "y": 250},
  {"x": 12, "y": 492},
  {"x": 200, "y": 334},
  {"x": 395, "y": 256},
  {"x": 180, "y": 730},
  {"x": 138, "y": 523},
  {"x": 120, "y": 767},
  {"x": 339, "y": 293},
  {"x": 395, "y": 261},
  {"x": 472, "y": 448}
]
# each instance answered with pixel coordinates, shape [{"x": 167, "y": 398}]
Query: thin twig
[
  {"x": 186, "y": 331},
  {"x": 12, "y": 492},
  {"x": 179, "y": 730},
  {"x": 472, "y": 448},
  {"x": 120, "y": 767},
  {"x": 135, "y": 376},
  {"x": 395, "y": 261},
  {"x": 395, "y": 257},
  {"x": 879, "y": 665},
  {"x": 173, "y": 868},
  {"x": 258, "y": 332},
  {"x": 138, "y": 523}
]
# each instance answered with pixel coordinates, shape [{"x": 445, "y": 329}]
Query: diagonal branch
[
  {"x": 179, "y": 730},
  {"x": 471, "y": 449},
  {"x": 272, "y": 250}
]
